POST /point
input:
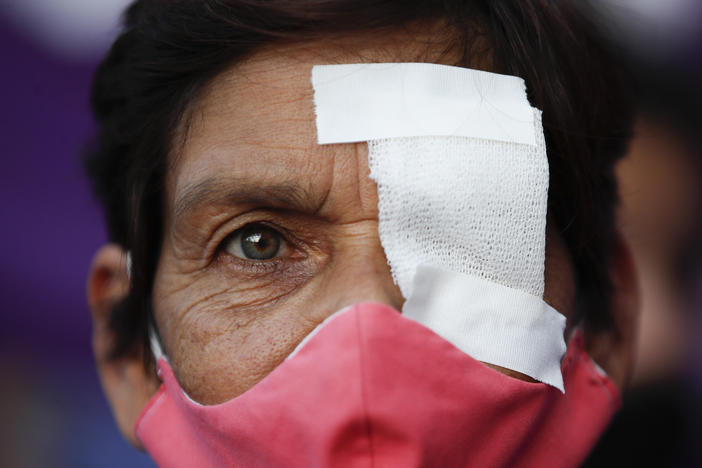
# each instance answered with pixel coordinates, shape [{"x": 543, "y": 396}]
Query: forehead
[
  {"x": 257, "y": 119},
  {"x": 259, "y": 113}
]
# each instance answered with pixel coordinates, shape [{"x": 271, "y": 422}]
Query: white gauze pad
[{"x": 460, "y": 162}]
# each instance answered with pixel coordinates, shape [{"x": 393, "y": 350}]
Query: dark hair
[{"x": 169, "y": 50}]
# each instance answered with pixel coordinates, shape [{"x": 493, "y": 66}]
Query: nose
[
  {"x": 363, "y": 275},
  {"x": 360, "y": 272}
]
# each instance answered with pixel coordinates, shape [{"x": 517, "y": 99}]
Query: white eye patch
[{"x": 460, "y": 162}]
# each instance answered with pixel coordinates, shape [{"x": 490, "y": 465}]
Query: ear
[
  {"x": 125, "y": 381},
  {"x": 614, "y": 349}
]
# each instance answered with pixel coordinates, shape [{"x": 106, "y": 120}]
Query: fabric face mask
[
  {"x": 459, "y": 158},
  {"x": 374, "y": 388}
]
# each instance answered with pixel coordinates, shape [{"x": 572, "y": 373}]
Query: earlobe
[
  {"x": 614, "y": 349},
  {"x": 125, "y": 381}
]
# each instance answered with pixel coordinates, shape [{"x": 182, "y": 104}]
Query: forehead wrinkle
[{"x": 239, "y": 191}]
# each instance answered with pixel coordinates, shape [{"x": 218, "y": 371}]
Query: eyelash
[{"x": 256, "y": 266}]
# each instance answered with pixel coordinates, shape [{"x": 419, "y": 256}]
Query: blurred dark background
[
  {"x": 660, "y": 188},
  {"x": 53, "y": 411}
]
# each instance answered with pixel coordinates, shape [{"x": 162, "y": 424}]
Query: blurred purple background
[{"x": 53, "y": 410}]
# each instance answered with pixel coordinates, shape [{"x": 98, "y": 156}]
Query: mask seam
[{"x": 364, "y": 396}]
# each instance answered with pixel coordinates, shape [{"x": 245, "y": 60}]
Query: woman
[{"x": 244, "y": 234}]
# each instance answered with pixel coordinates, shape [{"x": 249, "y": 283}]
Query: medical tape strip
[
  {"x": 362, "y": 102},
  {"x": 491, "y": 322},
  {"x": 459, "y": 158}
]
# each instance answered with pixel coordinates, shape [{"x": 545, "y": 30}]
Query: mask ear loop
[
  {"x": 154, "y": 337},
  {"x": 128, "y": 264},
  {"x": 580, "y": 328},
  {"x": 155, "y": 342}
]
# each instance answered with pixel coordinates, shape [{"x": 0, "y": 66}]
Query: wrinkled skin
[{"x": 249, "y": 155}]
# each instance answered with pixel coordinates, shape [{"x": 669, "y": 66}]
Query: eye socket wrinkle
[{"x": 233, "y": 191}]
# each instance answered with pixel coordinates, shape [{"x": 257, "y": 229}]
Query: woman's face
[{"x": 266, "y": 232}]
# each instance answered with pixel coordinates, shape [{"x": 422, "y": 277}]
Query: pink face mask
[{"x": 374, "y": 388}]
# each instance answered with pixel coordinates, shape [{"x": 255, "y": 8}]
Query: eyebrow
[{"x": 217, "y": 192}]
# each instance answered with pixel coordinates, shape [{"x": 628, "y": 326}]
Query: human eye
[{"x": 256, "y": 242}]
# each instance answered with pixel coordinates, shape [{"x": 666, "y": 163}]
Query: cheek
[
  {"x": 224, "y": 334},
  {"x": 217, "y": 360}
]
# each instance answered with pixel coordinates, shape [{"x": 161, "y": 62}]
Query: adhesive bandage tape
[
  {"x": 460, "y": 162},
  {"x": 362, "y": 102}
]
